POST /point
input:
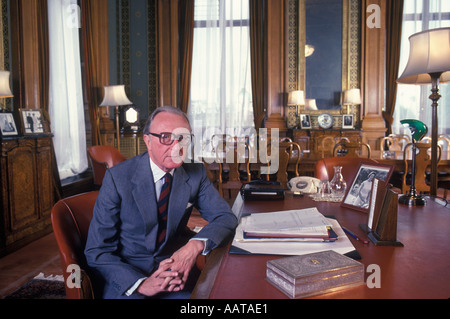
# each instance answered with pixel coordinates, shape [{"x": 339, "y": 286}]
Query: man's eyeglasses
[{"x": 167, "y": 138}]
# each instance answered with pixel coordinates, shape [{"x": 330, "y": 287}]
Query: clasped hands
[{"x": 173, "y": 272}]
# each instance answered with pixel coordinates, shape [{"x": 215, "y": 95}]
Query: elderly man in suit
[{"x": 136, "y": 247}]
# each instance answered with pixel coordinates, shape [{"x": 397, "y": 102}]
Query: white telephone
[{"x": 304, "y": 184}]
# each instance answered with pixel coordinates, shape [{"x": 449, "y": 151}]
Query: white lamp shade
[
  {"x": 115, "y": 95},
  {"x": 296, "y": 98},
  {"x": 429, "y": 53},
  {"x": 352, "y": 96},
  {"x": 5, "y": 90},
  {"x": 310, "y": 105}
]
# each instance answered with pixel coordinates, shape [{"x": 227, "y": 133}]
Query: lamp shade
[
  {"x": 5, "y": 90},
  {"x": 310, "y": 105},
  {"x": 115, "y": 95},
  {"x": 418, "y": 129},
  {"x": 352, "y": 96},
  {"x": 296, "y": 98},
  {"x": 429, "y": 53}
]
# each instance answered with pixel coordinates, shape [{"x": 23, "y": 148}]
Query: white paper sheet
[
  {"x": 342, "y": 245},
  {"x": 307, "y": 221}
]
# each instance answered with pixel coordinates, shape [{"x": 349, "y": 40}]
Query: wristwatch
[{"x": 325, "y": 120}]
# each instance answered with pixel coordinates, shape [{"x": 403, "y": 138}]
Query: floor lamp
[
  {"x": 115, "y": 96},
  {"x": 429, "y": 62}
]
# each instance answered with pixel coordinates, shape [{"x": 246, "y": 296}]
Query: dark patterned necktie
[{"x": 163, "y": 204}]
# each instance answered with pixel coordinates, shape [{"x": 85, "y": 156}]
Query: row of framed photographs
[
  {"x": 347, "y": 121},
  {"x": 31, "y": 123}
]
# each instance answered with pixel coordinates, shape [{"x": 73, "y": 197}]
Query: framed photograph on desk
[
  {"x": 32, "y": 122},
  {"x": 305, "y": 121},
  {"x": 347, "y": 121},
  {"x": 358, "y": 193},
  {"x": 7, "y": 125}
]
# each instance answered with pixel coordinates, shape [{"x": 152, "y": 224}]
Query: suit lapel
[
  {"x": 144, "y": 192},
  {"x": 179, "y": 198}
]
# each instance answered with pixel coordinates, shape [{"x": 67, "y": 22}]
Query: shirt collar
[{"x": 157, "y": 172}]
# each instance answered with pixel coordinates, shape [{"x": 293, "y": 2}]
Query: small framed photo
[
  {"x": 358, "y": 195},
  {"x": 32, "y": 122},
  {"x": 305, "y": 121},
  {"x": 7, "y": 125},
  {"x": 347, "y": 121}
]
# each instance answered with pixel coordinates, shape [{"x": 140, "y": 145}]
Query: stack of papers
[{"x": 292, "y": 225}]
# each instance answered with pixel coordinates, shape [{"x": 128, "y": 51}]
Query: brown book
[{"x": 313, "y": 274}]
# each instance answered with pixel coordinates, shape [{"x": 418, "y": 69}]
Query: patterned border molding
[
  {"x": 351, "y": 52},
  {"x": 4, "y": 49}
]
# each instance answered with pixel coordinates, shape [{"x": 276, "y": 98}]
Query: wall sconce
[
  {"x": 429, "y": 62},
  {"x": 130, "y": 119},
  {"x": 115, "y": 96},
  {"x": 5, "y": 90},
  {"x": 351, "y": 97}
]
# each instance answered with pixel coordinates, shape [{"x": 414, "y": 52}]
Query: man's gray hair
[{"x": 169, "y": 109}]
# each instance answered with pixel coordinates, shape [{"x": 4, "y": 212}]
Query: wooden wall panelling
[
  {"x": 373, "y": 75},
  {"x": 275, "y": 63},
  {"x": 25, "y": 68}
]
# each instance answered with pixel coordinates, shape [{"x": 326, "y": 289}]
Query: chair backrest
[
  {"x": 71, "y": 217},
  {"x": 289, "y": 153},
  {"x": 352, "y": 149},
  {"x": 328, "y": 142},
  {"x": 423, "y": 161},
  {"x": 230, "y": 155},
  {"x": 103, "y": 157},
  {"x": 324, "y": 169},
  {"x": 444, "y": 142}
]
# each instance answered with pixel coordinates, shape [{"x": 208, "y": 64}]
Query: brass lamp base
[{"x": 412, "y": 199}]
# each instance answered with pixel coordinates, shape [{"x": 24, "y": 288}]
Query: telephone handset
[{"x": 304, "y": 184}]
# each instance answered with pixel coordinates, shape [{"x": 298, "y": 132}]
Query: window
[
  {"x": 65, "y": 89},
  {"x": 221, "y": 94},
  {"x": 413, "y": 100}
]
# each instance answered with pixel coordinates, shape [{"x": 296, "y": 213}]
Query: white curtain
[
  {"x": 220, "y": 97},
  {"x": 413, "y": 100},
  {"x": 66, "y": 96}
]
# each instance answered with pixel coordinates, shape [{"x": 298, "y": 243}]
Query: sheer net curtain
[
  {"x": 221, "y": 93},
  {"x": 413, "y": 100},
  {"x": 65, "y": 96}
]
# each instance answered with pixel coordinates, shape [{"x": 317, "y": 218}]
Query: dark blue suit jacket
[{"x": 121, "y": 245}]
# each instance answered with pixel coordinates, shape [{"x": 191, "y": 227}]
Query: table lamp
[
  {"x": 115, "y": 96},
  {"x": 429, "y": 62},
  {"x": 418, "y": 131},
  {"x": 296, "y": 98},
  {"x": 5, "y": 90},
  {"x": 352, "y": 97},
  {"x": 310, "y": 105}
]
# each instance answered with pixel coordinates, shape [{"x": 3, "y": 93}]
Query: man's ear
[{"x": 147, "y": 141}]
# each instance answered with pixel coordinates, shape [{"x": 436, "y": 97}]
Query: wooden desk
[{"x": 420, "y": 269}]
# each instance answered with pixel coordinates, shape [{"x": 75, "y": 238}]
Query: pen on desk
[{"x": 354, "y": 235}]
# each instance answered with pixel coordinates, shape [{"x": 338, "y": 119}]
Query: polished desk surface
[{"x": 420, "y": 269}]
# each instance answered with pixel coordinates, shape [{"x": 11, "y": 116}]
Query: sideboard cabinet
[
  {"x": 321, "y": 141},
  {"x": 27, "y": 190}
]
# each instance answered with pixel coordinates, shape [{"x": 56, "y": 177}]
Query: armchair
[{"x": 103, "y": 157}]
